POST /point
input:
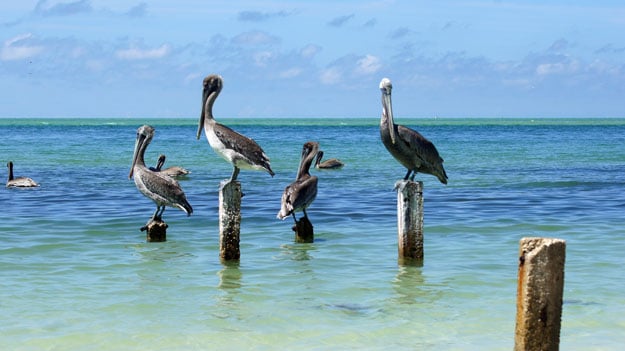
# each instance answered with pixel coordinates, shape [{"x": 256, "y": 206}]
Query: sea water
[{"x": 76, "y": 273}]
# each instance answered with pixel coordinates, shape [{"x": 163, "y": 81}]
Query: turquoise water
[{"x": 77, "y": 274}]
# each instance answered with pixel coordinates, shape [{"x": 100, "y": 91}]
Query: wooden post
[
  {"x": 410, "y": 221},
  {"x": 156, "y": 231},
  {"x": 304, "y": 231},
  {"x": 229, "y": 219},
  {"x": 539, "y": 294}
]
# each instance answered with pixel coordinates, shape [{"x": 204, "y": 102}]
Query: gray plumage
[
  {"x": 332, "y": 163},
  {"x": 173, "y": 171},
  {"x": 298, "y": 195},
  {"x": 19, "y": 182},
  {"x": 408, "y": 146},
  {"x": 160, "y": 188},
  {"x": 240, "y": 151}
]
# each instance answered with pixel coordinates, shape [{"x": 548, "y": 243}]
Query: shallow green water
[{"x": 76, "y": 272}]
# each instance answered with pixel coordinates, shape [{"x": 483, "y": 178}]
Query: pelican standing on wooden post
[
  {"x": 19, "y": 182},
  {"x": 162, "y": 189},
  {"x": 408, "y": 146},
  {"x": 240, "y": 151},
  {"x": 300, "y": 194},
  {"x": 418, "y": 155}
]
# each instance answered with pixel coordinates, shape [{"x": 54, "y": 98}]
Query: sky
[{"x": 306, "y": 59}]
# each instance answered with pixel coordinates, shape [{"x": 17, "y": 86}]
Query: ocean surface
[{"x": 76, "y": 273}]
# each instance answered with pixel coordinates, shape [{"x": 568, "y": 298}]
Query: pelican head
[
  {"x": 309, "y": 151},
  {"x": 387, "y": 107},
  {"x": 212, "y": 87},
  {"x": 145, "y": 133},
  {"x": 160, "y": 162}
]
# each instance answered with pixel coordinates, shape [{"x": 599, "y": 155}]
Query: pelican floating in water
[
  {"x": 302, "y": 192},
  {"x": 19, "y": 182},
  {"x": 173, "y": 171},
  {"x": 332, "y": 163},
  {"x": 162, "y": 189},
  {"x": 241, "y": 151},
  {"x": 408, "y": 146}
]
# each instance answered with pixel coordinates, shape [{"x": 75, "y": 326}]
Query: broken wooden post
[
  {"x": 304, "y": 231},
  {"x": 229, "y": 219},
  {"x": 156, "y": 231},
  {"x": 410, "y": 221},
  {"x": 539, "y": 294}
]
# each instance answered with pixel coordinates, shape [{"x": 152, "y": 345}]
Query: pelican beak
[
  {"x": 388, "y": 110},
  {"x": 135, "y": 156},
  {"x": 205, "y": 95}
]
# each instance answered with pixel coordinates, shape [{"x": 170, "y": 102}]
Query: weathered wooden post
[
  {"x": 156, "y": 231},
  {"x": 229, "y": 219},
  {"x": 410, "y": 221},
  {"x": 539, "y": 294},
  {"x": 304, "y": 231}
]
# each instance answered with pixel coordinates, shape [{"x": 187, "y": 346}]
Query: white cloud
[
  {"x": 255, "y": 38},
  {"x": 309, "y": 51},
  {"x": 142, "y": 54},
  {"x": 14, "y": 49},
  {"x": 193, "y": 77},
  {"x": 262, "y": 58},
  {"x": 331, "y": 76},
  {"x": 290, "y": 73},
  {"x": 545, "y": 69},
  {"x": 63, "y": 8},
  {"x": 368, "y": 65}
]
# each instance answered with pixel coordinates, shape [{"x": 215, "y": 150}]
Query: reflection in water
[
  {"x": 298, "y": 252},
  {"x": 166, "y": 252},
  {"x": 409, "y": 285},
  {"x": 230, "y": 284},
  {"x": 230, "y": 277}
]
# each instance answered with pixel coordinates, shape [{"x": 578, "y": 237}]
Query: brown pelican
[
  {"x": 162, "y": 189},
  {"x": 408, "y": 146},
  {"x": 241, "y": 151},
  {"x": 173, "y": 171},
  {"x": 19, "y": 182},
  {"x": 301, "y": 193},
  {"x": 332, "y": 163}
]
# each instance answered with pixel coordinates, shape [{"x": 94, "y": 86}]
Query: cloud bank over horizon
[{"x": 91, "y": 58}]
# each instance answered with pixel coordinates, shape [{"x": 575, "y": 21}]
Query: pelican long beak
[
  {"x": 388, "y": 110},
  {"x": 135, "y": 156},
  {"x": 205, "y": 95}
]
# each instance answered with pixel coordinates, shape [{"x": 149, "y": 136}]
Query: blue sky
[{"x": 92, "y": 58}]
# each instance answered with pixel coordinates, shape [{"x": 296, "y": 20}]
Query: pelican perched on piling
[
  {"x": 162, "y": 189},
  {"x": 332, "y": 163},
  {"x": 302, "y": 192},
  {"x": 241, "y": 151},
  {"x": 19, "y": 182},
  {"x": 408, "y": 146},
  {"x": 173, "y": 171}
]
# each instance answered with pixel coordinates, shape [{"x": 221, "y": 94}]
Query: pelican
[
  {"x": 332, "y": 163},
  {"x": 301, "y": 193},
  {"x": 162, "y": 189},
  {"x": 19, "y": 182},
  {"x": 408, "y": 146},
  {"x": 241, "y": 151},
  {"x": 173, "y": 171}
]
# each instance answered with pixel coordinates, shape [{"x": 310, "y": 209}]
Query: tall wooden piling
[
  {"x": 156, "y": 231},
  {"x": 229, "y": 219},
  {"x": 410, "y": 221},
  {"x": 539, "y": 294}
]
